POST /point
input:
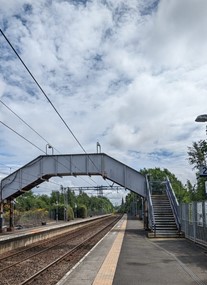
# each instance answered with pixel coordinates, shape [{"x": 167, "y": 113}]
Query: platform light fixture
[
  {"x": 201, "y": 118},
  {"x": 48, "y": 146}
]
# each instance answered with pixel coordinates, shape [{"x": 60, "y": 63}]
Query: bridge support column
[
  {"x": 146, "y": 222},
  {"x": 1, "y": 216},
  {"x": 11, "y": 216}
]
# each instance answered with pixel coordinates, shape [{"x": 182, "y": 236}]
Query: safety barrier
[
  {"x": 174, "y": 203},
  {"x": 194, "y": 221},
  {"x": 151, "y": 217}
]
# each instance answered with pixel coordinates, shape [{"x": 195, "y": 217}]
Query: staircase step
[
  {"x": 164, "y": 218},
  {"x": 164, "y": 214},
  {"x": 162, "y": 235},
  {"x": 165, "y": 223},
  {"x": 167, "y": 227}
]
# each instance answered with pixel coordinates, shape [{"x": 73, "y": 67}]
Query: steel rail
[
  {"x": 66, "y": 238},
  {"x": 70, "y": 252}
]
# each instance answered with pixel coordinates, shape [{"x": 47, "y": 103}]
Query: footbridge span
[
  {"x": 160, "y": 206},
  {"x": 44, "y": 167}
]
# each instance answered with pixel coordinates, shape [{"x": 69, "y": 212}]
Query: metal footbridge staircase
[{"x": 163, "y": 214}]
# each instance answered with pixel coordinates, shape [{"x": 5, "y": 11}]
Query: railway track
[
  {"x": 46, "y": 263},
  {"x": 8, "y": 259}
]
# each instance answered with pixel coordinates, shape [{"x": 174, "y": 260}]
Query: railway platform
[
  {"x": 127, "y": 256},
  {"x": 19, "y": 238}
]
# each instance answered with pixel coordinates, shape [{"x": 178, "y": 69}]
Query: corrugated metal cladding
[{"x": 44, "y": 167}]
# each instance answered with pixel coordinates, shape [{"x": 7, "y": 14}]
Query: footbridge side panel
[
  {"x": 44, "y": 167},
  {"x": 124, "y": 175}
]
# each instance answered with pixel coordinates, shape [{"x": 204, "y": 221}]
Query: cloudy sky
[{"x": 129, "y": 74}]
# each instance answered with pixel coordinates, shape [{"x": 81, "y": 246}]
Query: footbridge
[
  {"x": 160, "y": 206},
  {"x": 44, "y": 167}
]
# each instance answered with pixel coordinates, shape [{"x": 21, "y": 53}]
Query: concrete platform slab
[
  {"x": 165, "y": 261},
  {"x": 141, "y": 260}
]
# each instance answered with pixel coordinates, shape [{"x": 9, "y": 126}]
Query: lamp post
[
  {"x": 202, "y": 119},
  {"x": 49, "y": 146},
  {"x": 203, "y": 170}
]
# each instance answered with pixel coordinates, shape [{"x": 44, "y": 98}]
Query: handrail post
[
  {"x": 173, "y": 203},
  {"x": 151, "y": 216}
]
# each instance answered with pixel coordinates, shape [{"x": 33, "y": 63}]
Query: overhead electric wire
[
  {"x": 39, "y": 148},
  {"x": 43, "y": 92},
  {"x": 25, "y": 123},
  {"x": 22, "y": 136},
  {"x": 36, "y": 132}
]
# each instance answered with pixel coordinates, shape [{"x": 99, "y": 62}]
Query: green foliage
[
  {"x": 197, "y": 154},
  {"x": 70, "y": 213},
  {"x": 199, "y": 193},
  {"x": 17, "y": 217},
  {"x": 132, "y": 199},
  {"x": 83, "y": 199},
  {"x": 31, "y": 217},
  {"x": 55, "y": 197},
  {"x": 61, "y": 211},
  {"x": 26, "y": 202},
  {"x": 62, "y": 204},
  {"x": 156, "y": 174},
  {"x": 81, "y": 211},
  {"x": 100, "y": 205},
  {"x": 122, "y": 207},
  {"x": 71, "y": 198}
]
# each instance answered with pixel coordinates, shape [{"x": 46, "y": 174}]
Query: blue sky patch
[
  {"x": 150, "y": 8},
  {"x": 162, "y": 153}
]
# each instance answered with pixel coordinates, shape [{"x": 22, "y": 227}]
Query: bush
[
  {"x": 70, "y": 213},
  {"x": 28, "y": 218},
  {"x": 81, "y": 211}
]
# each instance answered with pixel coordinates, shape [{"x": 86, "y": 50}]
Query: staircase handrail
[
  {"x": 151, "y": 216},
  {"x": 173, "y": 202}
]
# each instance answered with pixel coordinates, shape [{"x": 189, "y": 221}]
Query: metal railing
[
  {"x": 151, "y": 216},
  {"x": 174, "y": 203},
  {"x": 194, "y": 221}
]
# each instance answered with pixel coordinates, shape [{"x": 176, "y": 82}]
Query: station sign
[{"x": 203, "y": 171}]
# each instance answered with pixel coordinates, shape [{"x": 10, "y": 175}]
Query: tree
[
  {"x": 83, "y": 199},
  {"x": 60, "y": 204},
  {"x": 159, "y": 175},
  {"x": 197, "y": 155},
  {"x": 26, "y": 202},
  {"x": 71, "y": 198},
  {"x": 81, "y": 211},
  {"x": 132, "y": 200}
]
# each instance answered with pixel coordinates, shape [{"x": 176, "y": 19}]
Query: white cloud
[
  {"x": 131, "y": 75},
  {"x": 176, "y": 34}
]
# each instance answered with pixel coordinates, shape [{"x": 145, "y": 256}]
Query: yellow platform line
[{"x": 106, "y": 273}]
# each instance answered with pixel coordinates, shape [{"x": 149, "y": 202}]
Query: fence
[{"x": 193, "y": 218}]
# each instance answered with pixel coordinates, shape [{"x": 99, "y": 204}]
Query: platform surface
[
  {"x": 16, "y": 233},
  {"x": 127, "y": 256}
]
